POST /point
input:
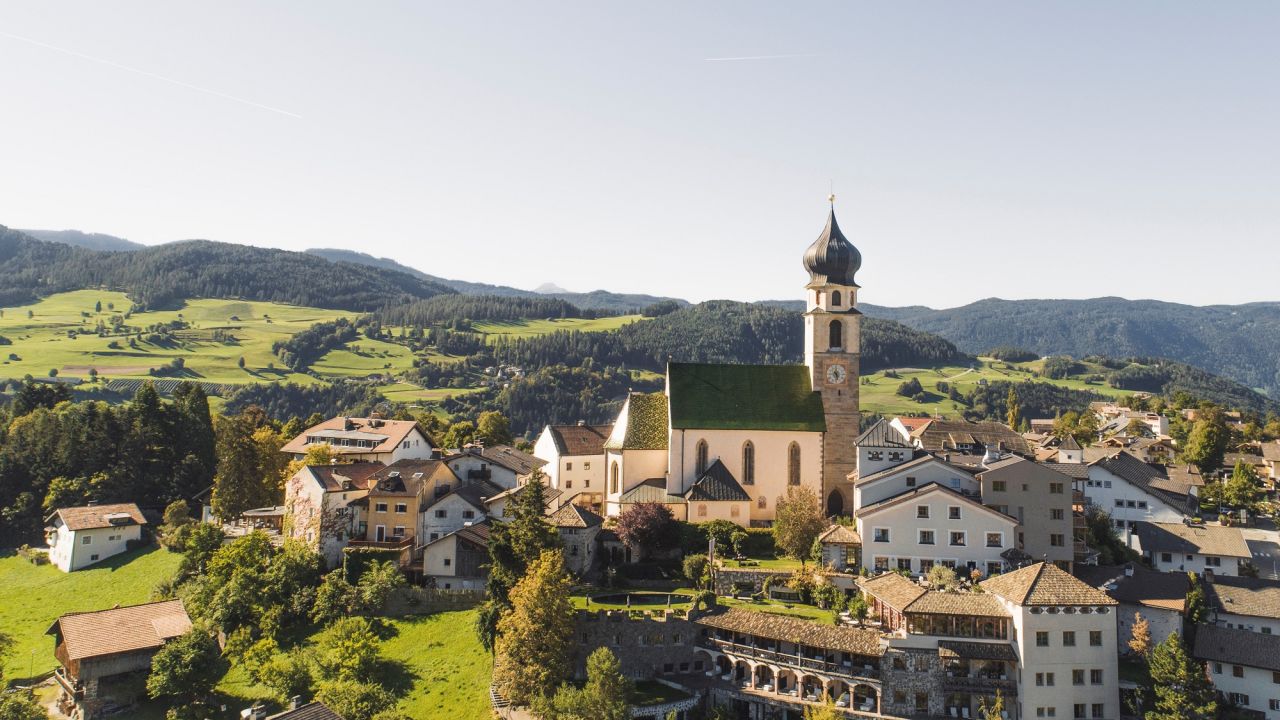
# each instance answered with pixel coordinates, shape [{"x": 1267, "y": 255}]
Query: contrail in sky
[
  {"x": 758, "y": 57},
  {"x": 152, "y": 75}
]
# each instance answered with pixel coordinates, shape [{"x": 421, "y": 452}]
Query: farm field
[
  {"x": 533, "y": 328},
  {"x": 33, "y": 596},
  {"x": 879, "y": 392},
  {"x": 42, "y": 342}
]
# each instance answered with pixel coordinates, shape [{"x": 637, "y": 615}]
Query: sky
[{"x": 976, "y": 149}]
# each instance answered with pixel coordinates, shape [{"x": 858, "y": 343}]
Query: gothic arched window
[
  {"x": 837, "y": 334},
  {"x": 701, "y": 462},
  {"x": 793, "y": 464},
  {"x": 748, "y": 463},
  {"x": 835, "y": 298},
  {"x": 613, "y": 478}
]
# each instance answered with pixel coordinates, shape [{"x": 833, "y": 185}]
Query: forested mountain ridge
[
  {"x": 721, "y": 331},
  {"x": 166, "y": 274},
  {"x": 1241, "y": 342},
  {"x": 595, "y": 300},
  {"x": 88, "y": 241}
]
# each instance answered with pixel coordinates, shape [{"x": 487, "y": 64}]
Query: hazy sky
[{"x": 1013, "y": 149}]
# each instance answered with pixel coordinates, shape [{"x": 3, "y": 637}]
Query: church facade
[{"x": 725, "y": 441}]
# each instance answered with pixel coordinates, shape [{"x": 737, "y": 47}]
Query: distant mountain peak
[
  {"x": 89, "y": 241},
  {"x": 550, "y": 289}
]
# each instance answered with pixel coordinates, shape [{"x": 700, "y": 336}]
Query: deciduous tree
[
  {"x": 797, "y": 522},
  {"x": 187, "y": 667},
  {"x": 648, "y": 528},
  {"x": 1140, "y": 632},
  {"x": 533, "y": 643}
]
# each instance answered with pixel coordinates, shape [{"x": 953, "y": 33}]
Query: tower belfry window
[
  {"x": 835, "y": 298},
  {"x": 837, "y": 335}
]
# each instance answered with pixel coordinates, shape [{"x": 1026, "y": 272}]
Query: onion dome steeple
[{"x": 832, "y": 258}]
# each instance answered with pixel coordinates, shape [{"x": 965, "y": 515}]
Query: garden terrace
[{"x": 792, "y": 643}]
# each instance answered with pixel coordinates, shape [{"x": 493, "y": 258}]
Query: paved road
[{"x": 1265, "y": 547}]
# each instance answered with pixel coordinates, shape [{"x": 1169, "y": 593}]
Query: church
[{"x": 727, "y": 441}]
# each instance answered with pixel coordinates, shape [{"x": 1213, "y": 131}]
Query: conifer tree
[
  {"x": 1182, "y": 690},
  {"x": 512, "y": 547}
]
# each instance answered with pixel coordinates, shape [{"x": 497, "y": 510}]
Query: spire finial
[{"x": 831, "y": 198}]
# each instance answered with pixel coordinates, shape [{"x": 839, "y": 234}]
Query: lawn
[
  {"x": 450, "y": 670},
  {"x": 42, "y": 342},
  {"x": 365, "y": 357},
  {"x": 33, "y": 596},
  {"x": 878, "y": 392},
  {"x": 534, "y": 328}
]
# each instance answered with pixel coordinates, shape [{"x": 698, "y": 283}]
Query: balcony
[
  {"x": 980, "y": 684},
  {"x": 392, "y": 543},
  {"x": 849, "y": 669}
]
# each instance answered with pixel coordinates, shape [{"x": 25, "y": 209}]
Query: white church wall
[{"x": 771, "y": 462}]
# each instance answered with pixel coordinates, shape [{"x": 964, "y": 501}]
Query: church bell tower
[{"x": 832, "y": 349}]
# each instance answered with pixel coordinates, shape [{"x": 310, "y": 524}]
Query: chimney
[
  {"x": 582, "y": 423},
  {"x": 1128, "y": 570},
  {"x": 295, "y": 702}
]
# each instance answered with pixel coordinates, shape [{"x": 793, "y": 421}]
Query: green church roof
[
  {"x": 642, "y": 424},
  {"x": 743, "y": 397}
]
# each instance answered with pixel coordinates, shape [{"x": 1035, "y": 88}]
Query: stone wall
[
  {"x": 907, "y": 672},
  {"x": 727, "y": 578},
  {"x": 646, "y": 644}
]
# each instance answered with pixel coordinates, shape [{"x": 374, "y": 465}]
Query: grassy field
[
  {"x": 879, "y": 392},
  {"x": 533, "y": 328},
  {"x": 42, "y": 341},
  {"x": 33, "y": 596},
  {"x": 449, "y": 668}
]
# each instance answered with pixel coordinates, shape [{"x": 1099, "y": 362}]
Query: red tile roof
[
  {"x": 120, "y": 630},
  {"x": 384, "y": 435},
  {"x": 580, "y": 439}
]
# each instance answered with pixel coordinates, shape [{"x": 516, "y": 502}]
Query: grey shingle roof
[
  {"x": 1238, "y": 647},
  {"x": 653, "y": 490},
  {"x": 1244, "y": 596},
  {"x": 716, "y": 483},
  {"x": 805, "y": 632},
  {"x": 1145, "y": 477},
  {"x": 572, "y": 516},
  {"x": 1203, "y": 539}
]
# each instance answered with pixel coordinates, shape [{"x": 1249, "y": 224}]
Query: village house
[
  {"x": 459, "y": 560},
  {"x": 462, "y": 506},
  {"x": 841, "y": 548},
  {"x": 1177, "y": 547},
  {"x": 1243, "y": 603},
  {"x": 364, "y": 440},
  {"x": 575, "y": 461},
  {"x": 579, "y": 530},
  {"x": 1132, "y": 491},
  {"x": 501, "y": 465},
  {"x": 1040, "y": 498},
  {"x": 1244, "y": 667},
  {"x": 318, "y": 502},
  {"x": 95, "y": 649},
  {"x": 497, "y": 506},
  {"x": 1160, "y": 597},
  {"x": 934, "y": 525},
  {"x": 81, "y": 536},
  {"x": 1271, "y": 456},
  {"x": 961, "y": 436}
]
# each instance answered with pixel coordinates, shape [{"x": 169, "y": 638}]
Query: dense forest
[
  {"x": 56, "y": 453},
  {"x": 721, "y": 331},
  {"x": 308, "y": 346},
  {"x": 282, "y": 401},
  {"x": 1241, "y": 342},
  {"x": 1035, "y": 400},
  {"x": 166, "y": 274},
  {"x": 454, "y": 309},
  {"x": 1167, "y": 378}
]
